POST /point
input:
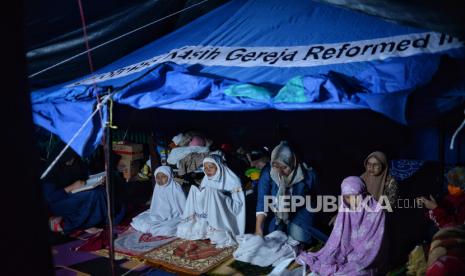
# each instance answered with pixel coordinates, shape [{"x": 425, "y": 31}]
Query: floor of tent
[{"x": 68, "y": 261}]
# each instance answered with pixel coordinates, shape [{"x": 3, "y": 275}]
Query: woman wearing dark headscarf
[
  {"x": 286, "y": 177},
  {"x": 72, "y": 211},
  {"x": 377, "y": 178}
]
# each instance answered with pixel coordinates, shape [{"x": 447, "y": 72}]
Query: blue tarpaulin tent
[{"x": 270, "y": 54}]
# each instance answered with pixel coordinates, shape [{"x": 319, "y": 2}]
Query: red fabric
[
  {"x": 450, "y": 212},
  {"x": 100, "y": 239},
  {"x": 226, "y": 148},
  {"x": 447, "y": 265}
]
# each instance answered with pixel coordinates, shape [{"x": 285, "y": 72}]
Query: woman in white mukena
[
  {"x": 168, "y": 202},
  {"x": 216, "y": 211}
]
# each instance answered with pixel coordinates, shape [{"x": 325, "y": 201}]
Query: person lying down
[
  {"x": 216, "y": 211},
  {"x": 166, "y": 208}
]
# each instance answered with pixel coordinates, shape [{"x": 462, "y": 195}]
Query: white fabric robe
[
  {"x": 166, "y": 208},
  {"x": 216, "y": 211},
  {"x": 264, "y": 251}
]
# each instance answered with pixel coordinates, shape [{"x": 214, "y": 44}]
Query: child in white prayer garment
[
  {"x": 216, "y": 211},
  {"x": 166, "y": 209}
]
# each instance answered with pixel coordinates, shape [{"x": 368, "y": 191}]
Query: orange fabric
[{"x": 454, "y": 190}]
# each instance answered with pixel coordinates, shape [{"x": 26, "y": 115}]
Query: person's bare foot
[{"x": 93, "y": 230}]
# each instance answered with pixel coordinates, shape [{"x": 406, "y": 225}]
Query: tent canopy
[
  {"x": 54, "y": 35},
  {"x": 270, "y": 54}
]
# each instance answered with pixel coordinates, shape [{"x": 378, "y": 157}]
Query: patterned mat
[
  {"x": 69, "y": 262},
  {"x": 189, "y": 257}
]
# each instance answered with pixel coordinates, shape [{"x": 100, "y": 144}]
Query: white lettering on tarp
[{"x": 293, "y": 56}]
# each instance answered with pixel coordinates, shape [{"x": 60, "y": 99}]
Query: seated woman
[
  {"x": 451, "y": 209},
  {"x": 216, "y": 211},
  {"x": 72, "y": 211},
  {"x": 168, "y": 201},
  {"x": 286, "y": 177},
  {"x": 377, "y": 178},
  {"x": 355, "y": 244}
]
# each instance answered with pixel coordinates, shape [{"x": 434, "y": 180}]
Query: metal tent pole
[{"x": 109, "y": 188}]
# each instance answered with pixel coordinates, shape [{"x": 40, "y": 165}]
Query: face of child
[
  {"x": 353, "y": 201},
  {"x": 209, "y": 169},
  {"x": 374, "y": 167},
  {"x": 282, "y": 169},
  {"x": 161, "y": 179}
]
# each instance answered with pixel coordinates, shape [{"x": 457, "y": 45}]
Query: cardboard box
[
  {"x": 131, "y": 158},
  {"x": 128, "y": 149}
]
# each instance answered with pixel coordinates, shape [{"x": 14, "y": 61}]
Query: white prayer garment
[
  {"x": 264, "y": 251},
  {"x": 216, "y": 211},
  {"x": 164, "y": 215}
]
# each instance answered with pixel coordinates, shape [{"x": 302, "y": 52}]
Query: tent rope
[
  {"x": 106, "y": 143},
  {"x": 452, "y": 141},
  {"x": 114, "y": 39},
  {"x": 89, "y": 55},
  {"x": 105, "y": 99},
  {"x": 80, "y": 130}
]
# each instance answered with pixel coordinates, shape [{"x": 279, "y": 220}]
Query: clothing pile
[
  {"x": 190, "y": 150},
  {"x": 265, "y": 251}
]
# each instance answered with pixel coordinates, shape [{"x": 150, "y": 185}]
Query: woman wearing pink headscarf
[{"x": 354, "y": 246}]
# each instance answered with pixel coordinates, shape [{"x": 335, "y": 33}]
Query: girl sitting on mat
[
  {"x": 166, "y": 208},
  {"x": 216, "y": 211}
]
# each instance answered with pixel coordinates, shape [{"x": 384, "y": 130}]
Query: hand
[
  {"x": 429, "y": 203},
  {"x": 333, "y": 219},
  {"x": 76, "y": 185}
]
